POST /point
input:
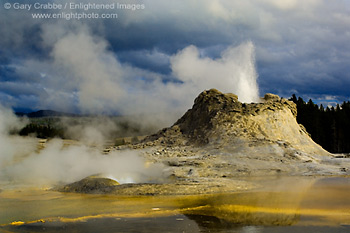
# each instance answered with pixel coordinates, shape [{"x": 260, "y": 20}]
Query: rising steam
[
  {"x": 21, "y": 162},
  {"x": 85, "y": 74},
  {"x": 234, "y": 72}
]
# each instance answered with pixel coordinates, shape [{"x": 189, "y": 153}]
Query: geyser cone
[{"x": 220, "y": 119}]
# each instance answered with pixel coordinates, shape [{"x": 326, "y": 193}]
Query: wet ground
[{"x": 294, "y": 204}]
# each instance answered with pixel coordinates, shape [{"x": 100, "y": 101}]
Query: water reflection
[{"x": 280, "y": 205}]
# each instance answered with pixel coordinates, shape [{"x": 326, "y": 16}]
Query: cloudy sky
[{"x": 161, "y": 56}]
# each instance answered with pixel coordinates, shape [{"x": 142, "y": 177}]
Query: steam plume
[
  {"x": 234, "y": 72},
  {"x": 20, "y": 162},
  {"x": 86, "y": 69}
]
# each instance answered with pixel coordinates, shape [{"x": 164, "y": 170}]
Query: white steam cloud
[
  {"x": 85, "y": 70},
  {"x": 90, "y": 68},
  {"x": 58, "y": 163},
  {"x": 22, "y": 163},
  {"x": 234, "y": 72},
  {"x": 92, "y": 131},
  {"x": 12, "y": 147}
]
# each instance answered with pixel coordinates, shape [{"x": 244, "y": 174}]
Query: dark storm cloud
[
  {"x": 301, "y": 46},
  {"x": 165, "y": 36},
  {"x": 20, "y": 35},
  {"x": 7, "y": 73},
  {"x": 150, "y": 60}
]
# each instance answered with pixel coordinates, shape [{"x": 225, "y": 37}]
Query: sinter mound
[{"x": 94, "y": 184}]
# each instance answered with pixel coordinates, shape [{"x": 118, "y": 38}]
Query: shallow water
[{"x": 280, "y": 205}]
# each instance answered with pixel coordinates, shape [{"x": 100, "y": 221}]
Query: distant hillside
[{"x": 45, "y": 113}]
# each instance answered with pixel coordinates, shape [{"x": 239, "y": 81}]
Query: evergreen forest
[{"x": 328, "y": 126}]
